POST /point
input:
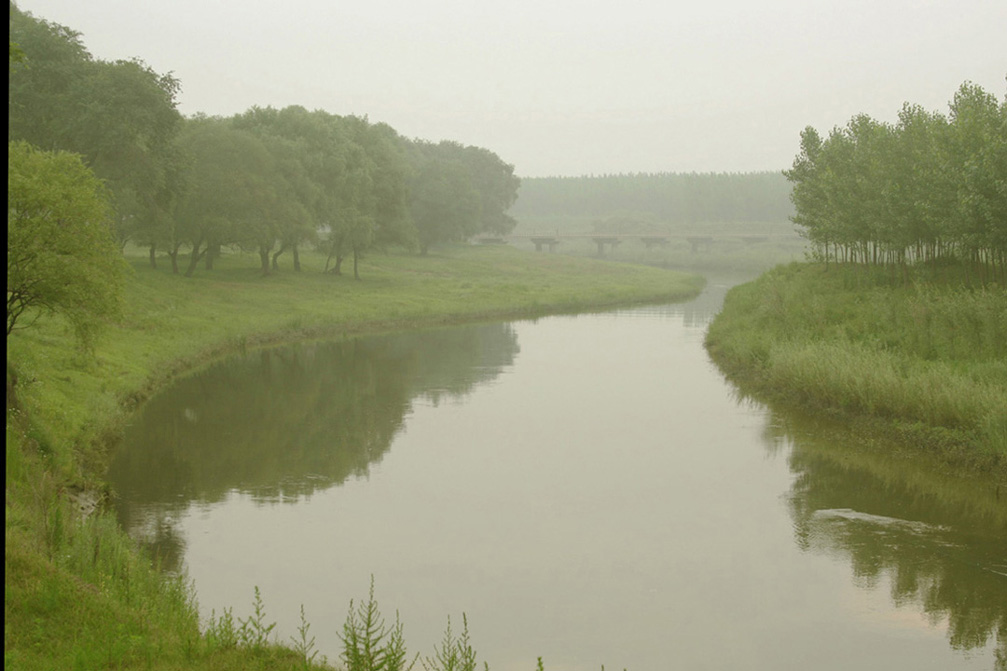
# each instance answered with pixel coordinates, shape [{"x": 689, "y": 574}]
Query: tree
[
  {"x": 231, "y": 191},
  {"x": 497, "y": 187},
  {"x": 61, "y": 253},
  {"x": 808, "y": 194},
  {"x": 374, "y": 201},
  {"x": 927, "y": 189},
  {"x": 979, "y": 141},
  {"x": 288, "y": 135},
  {"x": 444, "y": 205},
  {"x": 119, "y": 116}
]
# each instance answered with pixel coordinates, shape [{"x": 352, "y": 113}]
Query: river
[{"x": 588, "y": 489}]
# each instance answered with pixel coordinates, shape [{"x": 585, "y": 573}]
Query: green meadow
[{"x": 77, "y": 593}]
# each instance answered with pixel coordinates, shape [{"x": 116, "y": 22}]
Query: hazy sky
[{"x": 564, "y": 87}]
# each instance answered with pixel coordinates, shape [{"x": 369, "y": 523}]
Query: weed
[
  {"x": 304, "y": 646},
  {"x": 221, "y": 633},
  {"x": 253, "y": 631},
  {"x": 454, "y": 654},
  {"x": 368, "y": 643}
]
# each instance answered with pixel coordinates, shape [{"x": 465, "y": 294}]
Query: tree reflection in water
[
  {"x": 280, "y": 424},
  {"x": 939, "y": 539}
]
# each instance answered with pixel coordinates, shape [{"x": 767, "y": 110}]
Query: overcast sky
[{"x": 565, "y": 87}]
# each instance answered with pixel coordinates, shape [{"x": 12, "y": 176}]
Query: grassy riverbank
[
  {"x": 924, "y": 361},
  {"x": 77, "y": 595}
]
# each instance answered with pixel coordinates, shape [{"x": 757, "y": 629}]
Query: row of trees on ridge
[{"x": 928, "y": 188}]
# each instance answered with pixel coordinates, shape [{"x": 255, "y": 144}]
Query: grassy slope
[
  {"x": 925, "y": 361},
  {"x": 76, "y": 594}
]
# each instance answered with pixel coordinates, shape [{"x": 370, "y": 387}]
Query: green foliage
[
  {"x": 455, "y": 654},
  {"x": 221, "y": 632},
  {"x": 61, "y": 256},
  {"x": 445, "y": 207},
  {"x": 253, "y": 632},
  {"x": 926, "y": 189},
  {"x": 230, "y": 192},
  {"x": 458, "y": 191},
  {"x": 119, "y": 116},
  {"x": 267, "y": 180},
  {"x": 303, "y": 645},
  {"x": 369, "y": 644}
]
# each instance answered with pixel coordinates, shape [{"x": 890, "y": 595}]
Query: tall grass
[{"x": 927, "y": 359}]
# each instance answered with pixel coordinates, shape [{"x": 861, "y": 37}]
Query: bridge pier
[
  {"x": 613, "y": 242},
  {"x": 542, "y": 241}
]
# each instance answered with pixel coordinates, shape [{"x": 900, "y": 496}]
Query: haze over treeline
[{"x": 665, "y": 197}]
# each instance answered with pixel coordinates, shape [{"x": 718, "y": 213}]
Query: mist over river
[{"x": 588, "y": 489}]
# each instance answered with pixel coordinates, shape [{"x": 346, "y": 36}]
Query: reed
[{"x": 925, "y": 358}]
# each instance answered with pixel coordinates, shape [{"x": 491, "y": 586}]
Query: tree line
[
  {"x": 928, "y": 188},
  {"x": 675, "y": 198},
  {"x": 269, "y": 181}
]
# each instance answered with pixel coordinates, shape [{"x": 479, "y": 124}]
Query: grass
[
  {"x": 923, "y": 360},
  {"x": 78, "y": 595}
]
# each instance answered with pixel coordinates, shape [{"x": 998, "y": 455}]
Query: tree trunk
[
  {"x": 173, "y": 254},
  {"x": 194, "y": 258},
  {"x": 264, "y": 260},
  {"x": 356, "y": 258},
  {"x": 153, "y": 256},
  {"x": 297, "y": 258},
  {"x": 212, "y": 252},
  {"x": 282, "y": 249}
]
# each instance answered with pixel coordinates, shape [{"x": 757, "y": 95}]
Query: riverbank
[
  {"x": 77, "y": 595},
  {"x": 923, "y": 361}
]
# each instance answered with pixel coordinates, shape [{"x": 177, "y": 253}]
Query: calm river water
[{"x": 588, "y": 489}]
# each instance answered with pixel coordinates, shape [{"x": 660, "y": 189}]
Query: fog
[{"x": 566, "y": 88}]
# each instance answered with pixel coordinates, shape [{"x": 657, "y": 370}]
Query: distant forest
[{"x": 667, "y": 198}]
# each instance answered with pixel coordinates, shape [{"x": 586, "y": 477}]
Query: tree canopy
[
  {"x": 929, "y": 188},
  {"x": 266, "y": 181},
  {"x": 61, "y": 253},
  {"x": 120, "y": 116}
]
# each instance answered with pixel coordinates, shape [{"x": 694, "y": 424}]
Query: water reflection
[
  {"x": 938, "y": 540},
  {"x": 605, "y": 496},
  {"x": 280, "y": 424}
]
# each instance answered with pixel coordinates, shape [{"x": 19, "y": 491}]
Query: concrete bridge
[{"x": 613, "y": 240}]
